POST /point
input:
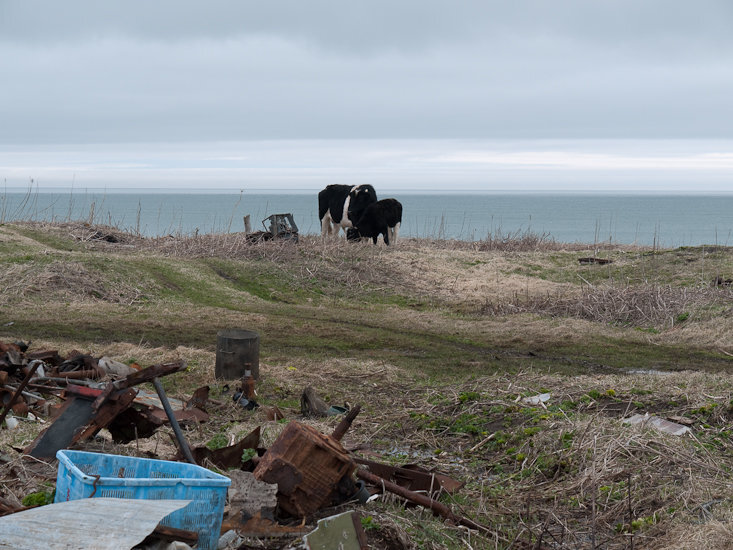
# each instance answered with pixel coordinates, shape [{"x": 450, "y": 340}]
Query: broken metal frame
[
  {"x": 88, "y": 410},
  {"x": 281, "y": 226}
]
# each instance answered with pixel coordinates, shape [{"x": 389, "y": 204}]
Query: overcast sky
[{"x": 484, "y": 95}]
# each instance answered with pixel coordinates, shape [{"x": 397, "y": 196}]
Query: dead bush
[{"x": 644, "y": 305}]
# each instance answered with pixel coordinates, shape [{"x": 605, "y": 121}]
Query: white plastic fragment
[
  {"x": 11, "y": 422},
  {"x": 537, "y": 399},
  {"x": 230, "y": 539},
  {"x": 110, "y": 366},
  {"x": 659, "y": 423}
]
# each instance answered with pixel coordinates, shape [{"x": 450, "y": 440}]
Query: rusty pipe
[
  {"x": 20, "y": 389},
  {"x": 182, "y": 443},
  {"x": 345, "y": 423},
  {"x": 417, "y": 498}
]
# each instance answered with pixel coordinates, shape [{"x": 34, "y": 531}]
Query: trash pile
[{"x": 271, "y": 492}]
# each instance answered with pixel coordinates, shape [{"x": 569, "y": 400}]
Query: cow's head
[
  {"x": 360, "y": 197},
  {"x": 352, "y": 234}
]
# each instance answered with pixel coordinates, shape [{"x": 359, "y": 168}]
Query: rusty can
[{"x": 248, "y": 382}]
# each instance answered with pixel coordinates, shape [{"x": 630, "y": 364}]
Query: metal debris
[
  {"x": 281, "y": 226},
  {"x": 418, "y": 498},
  {"x": 88, "y": 410},
  {"x": 413, "y": 477},
  {"x": 342, "y": 531},
  {"x": 75, "y": 525},
  {"x": 593, "y": 260},
  {"x": 229, "y": 457},
  {"x": 18, "y": 392},
  {"x": 146, "y": 415},
  {"x": 311, "y": 404},
  {"x": 312, "y": 470}
]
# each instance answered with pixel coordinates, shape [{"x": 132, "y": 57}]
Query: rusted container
[
  {"x": 236, "y": 348},
  {"x": 308, "y": 468}
]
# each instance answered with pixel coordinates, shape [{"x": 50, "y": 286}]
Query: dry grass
[
  {"x": 642, "y": 305},
  {"x": 578, "y": 491},
  {"x": 583, "y": 477},
  {"x": 64, "y": 280},
  {"x": 567, "y": 475}
]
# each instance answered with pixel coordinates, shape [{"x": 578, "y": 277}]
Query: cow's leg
[
  {"x": 395, "y": 231},
  {"x": 326, "y": 224},
  {"x": 337, "y": 227}
]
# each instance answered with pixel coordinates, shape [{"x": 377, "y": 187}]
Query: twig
[{"x": 482, "y": 442}]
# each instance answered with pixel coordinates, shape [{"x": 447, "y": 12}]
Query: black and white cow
[
  {"x": 340, "y": 205},
  {"x": 382, "y": 217}
]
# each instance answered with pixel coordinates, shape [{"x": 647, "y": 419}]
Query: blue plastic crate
[{"x": 144, "y": 478}]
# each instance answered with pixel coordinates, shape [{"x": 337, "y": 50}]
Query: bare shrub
[
  {"x": 84, "y": 232},
  {"x": 644, "y": 305},
  {"x": 310, "y": 259},
  {"x": 64, "y": 278},
  {"x": 517, "y": 241}
]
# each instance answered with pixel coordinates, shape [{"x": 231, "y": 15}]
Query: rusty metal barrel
[{"x": 236, "y": 348}]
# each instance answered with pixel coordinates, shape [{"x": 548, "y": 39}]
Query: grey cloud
[
  {"x": 374, "y": 24},
  {"x": 100, "y": 71}
]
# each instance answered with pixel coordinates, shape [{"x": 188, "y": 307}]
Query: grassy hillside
[{"x": 439, "y": 341}]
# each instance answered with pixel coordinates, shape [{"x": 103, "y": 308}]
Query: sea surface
[{"x": 662, "y": 220}]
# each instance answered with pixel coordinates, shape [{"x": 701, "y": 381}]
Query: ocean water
[{"x": 665, "y": 220}]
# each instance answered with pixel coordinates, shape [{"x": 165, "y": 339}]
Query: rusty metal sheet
[
  {"x": 100, "y": 523},
  {"x": 231, "y": 456},
  {"x": 198, "y": 399},
  {"x": 146, "y": 416},
  {"x": 88, "y": 410},
  {"x": 77, "y": 421},
  {"x": 261, "y": 527}
]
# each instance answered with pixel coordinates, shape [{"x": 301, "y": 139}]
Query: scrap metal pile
[
  {"x": 274, "y": 491},
  {"x": 95, "y": 393}
]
